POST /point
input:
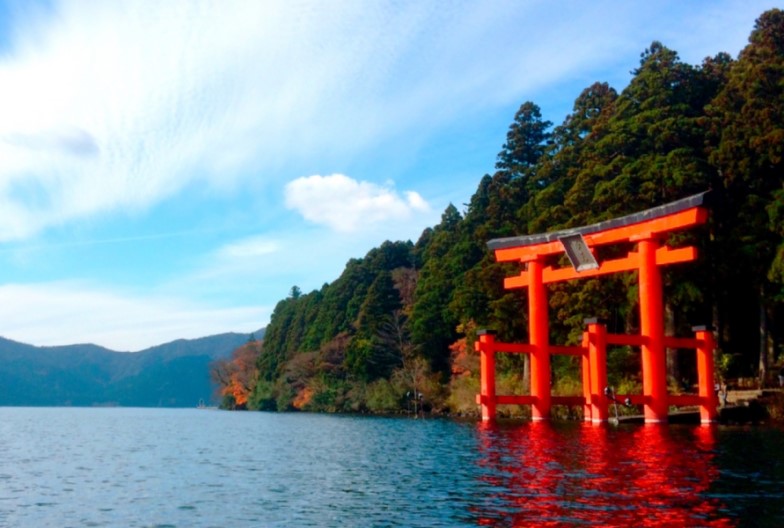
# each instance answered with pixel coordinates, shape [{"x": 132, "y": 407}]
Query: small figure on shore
[
  {"x": 723, "y": 394},
  {"x": 781, "y": 377}
]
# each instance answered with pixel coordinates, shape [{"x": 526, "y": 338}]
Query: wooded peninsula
[{"x": 396, "y": 330}]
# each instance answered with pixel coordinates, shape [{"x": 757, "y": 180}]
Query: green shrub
[
  {"x": 381, "y": 397},
  {"x": 263, "y": 398},
  {"x": 462, "y": 395}
]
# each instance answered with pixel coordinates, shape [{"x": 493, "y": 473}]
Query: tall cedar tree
[{"x": 748, "y": 117}]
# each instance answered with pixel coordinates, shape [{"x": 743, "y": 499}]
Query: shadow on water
[{"x": 542, "y": 474}]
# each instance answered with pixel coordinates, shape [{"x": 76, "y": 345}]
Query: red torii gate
[{"x": 646, "y": 229}]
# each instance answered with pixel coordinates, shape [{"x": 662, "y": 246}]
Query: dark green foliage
[
  {"x": 570, "y": 157},
  {"x": 747, "y": 120},
  {"x": 650, "y": 149},
  {"x": 370, "y": 356},
  {"x": 525, "y": 141},
  {"x": 433, "y": 324}
]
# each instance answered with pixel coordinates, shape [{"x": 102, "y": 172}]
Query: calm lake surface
[{"x": 191, "y": 468}]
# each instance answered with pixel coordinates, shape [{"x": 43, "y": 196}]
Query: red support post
[
  {"x": 538, "y": 330},
  {"x": 654, "y": 374},
  {"x": 487, "y": 396},
  {"x": 597, "y": 357},
  {"x": 708, "y": 397},
  {"x": 586, "y": 363}
]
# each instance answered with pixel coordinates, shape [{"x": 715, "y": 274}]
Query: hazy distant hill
[{"x": 174, "y": 374}]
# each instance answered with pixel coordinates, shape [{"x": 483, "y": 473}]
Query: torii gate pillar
[
  {"x": 654, "y": 382},
  {"x": 538, "y": 330}
]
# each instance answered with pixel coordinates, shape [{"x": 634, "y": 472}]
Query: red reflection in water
[{"x": 538, "y": 474}]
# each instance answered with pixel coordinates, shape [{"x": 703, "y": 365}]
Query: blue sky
[{"x": 171, "y": 169}]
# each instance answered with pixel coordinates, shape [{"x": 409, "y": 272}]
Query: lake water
[{"x": 192, "y": 468}]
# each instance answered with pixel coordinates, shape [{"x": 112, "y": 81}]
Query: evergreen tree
[
  {"x": 433, "y": 325},
  {"x": 583, "y": 127},
  {"x": 748, "y": 118},
  {"x": 526, "y": 141},
  {"x": 370, "y": 357}
]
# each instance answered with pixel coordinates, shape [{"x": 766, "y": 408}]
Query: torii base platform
[{"x": 645, "y": 229}]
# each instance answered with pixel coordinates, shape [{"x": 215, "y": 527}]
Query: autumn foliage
[{"x": 236, "y": 376}]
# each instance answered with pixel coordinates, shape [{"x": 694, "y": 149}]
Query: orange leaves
[{"x": 237, "y": 375}]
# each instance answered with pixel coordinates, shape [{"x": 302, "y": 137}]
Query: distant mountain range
[{"x": 174, "y": 374}]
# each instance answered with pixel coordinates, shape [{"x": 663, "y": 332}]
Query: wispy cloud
[
  {"x": 91, "y": 242},
  {"x": 73, "y": 141},
  {"x": 255, "y": 246},
  {"x": 348, "y": 205}
]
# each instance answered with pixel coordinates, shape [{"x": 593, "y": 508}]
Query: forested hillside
[
  {"x": 401, "y": 321},
  {"x": 174, "y": 374}
]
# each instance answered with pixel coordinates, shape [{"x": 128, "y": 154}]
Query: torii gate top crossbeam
[
  {"x": 648, "y": 224},
  {"x": 669, "y": 217}
]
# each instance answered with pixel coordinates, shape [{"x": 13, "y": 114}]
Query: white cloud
[
  {"x": 251, "y": 247},
  {"x": 43, "y": 313},
  {"x": 347, "y": 205}
]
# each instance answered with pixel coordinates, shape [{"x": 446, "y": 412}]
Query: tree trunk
[
  {"x": 718, "y": 328},
  {"x": 671, "y": 354},
  {"x": 763, "y": 339}
]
